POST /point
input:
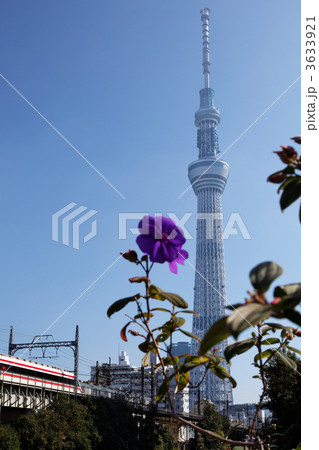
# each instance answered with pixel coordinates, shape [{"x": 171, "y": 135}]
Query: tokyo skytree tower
[{"x": 208, "y": 176}]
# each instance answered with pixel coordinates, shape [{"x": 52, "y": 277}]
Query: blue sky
[{"x": 120, "y": 81}]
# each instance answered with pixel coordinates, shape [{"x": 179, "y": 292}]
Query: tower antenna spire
[
  {"x": 205, "y": 12},
  {"x": 208, "y": 176}
]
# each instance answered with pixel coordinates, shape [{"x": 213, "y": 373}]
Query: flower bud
[
  {"x": 134, "y": 333},
  {"x": 130, "y": 255},
  {"x": 287, "y": 155}
]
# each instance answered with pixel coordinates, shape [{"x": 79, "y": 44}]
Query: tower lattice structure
[{"x": 208, "y": 176}]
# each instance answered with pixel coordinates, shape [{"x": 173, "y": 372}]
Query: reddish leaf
[{"x": 123, "y": 332}]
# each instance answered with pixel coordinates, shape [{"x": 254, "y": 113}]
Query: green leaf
[
  {"x": 289, "y": 170},
  {"x": 287, "y": 181},
  {"x": 120, "y": 304},
  {"x": 234, "y": 306},
  {"x": 232, "y": 429},
  {"x": 293, "y": 349},
  {"x": 161, "y": 392},
  {"x": 264, "y": 354},
  {"x": 214, "y": 359},
  {"x": 143, "y": 346},
  {"x": 179, "y": 321},
  {"x": 283, "y": 334},
  {"x": 156, "y": 292},
  {"x": 264, "y": 274},
  {"x": 187, "y": 312},
  {"x": 171, "y": 361},
  {"x": 222, "y": 373},
  {"x": 288, "y": 361},
  {"x": 292, "y": 291},
  {"x": 177, "y": 300},
  {"x": 183, "y": 381},
  {"x": 238, "y": 347},
  {"x": 168, "y": 327},
  {"x": 217, "y": 333},
  {"x": 193, "y": 361},
  {"x": 146, "y": 314},
  {"x": 192, "y": 335},
  {"x": 246, "y": 316},
  {"x": 291, "y": 193},
  {"x": 293, "y": 315},
  {"x": 161, "y": 309},
  {"x": 270, "y": 341},
  {"x": 276, "y": 326},
  {"x": 162, "y": 337}
]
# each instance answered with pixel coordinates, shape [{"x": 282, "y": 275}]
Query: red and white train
[{"x": 22, "y": 372}]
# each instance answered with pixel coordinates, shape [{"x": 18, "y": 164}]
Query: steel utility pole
[{"x": 37, "y": 342}]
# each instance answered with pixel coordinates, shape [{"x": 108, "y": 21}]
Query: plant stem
[
  {"x": 264, "y": 383},
  {"x": 146, "y": 323},
  {"x": 215, "y": 436},
  {"x": 166, "y": 380}
]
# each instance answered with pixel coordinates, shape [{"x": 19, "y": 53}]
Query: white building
[
  {"x": 245, "y": 414},
  {"x": 138, "y": 384}
]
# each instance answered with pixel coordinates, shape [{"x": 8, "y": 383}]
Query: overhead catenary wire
[{"x": 84, "y": 361}]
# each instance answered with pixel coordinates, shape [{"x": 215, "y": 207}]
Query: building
[
  {"x": 127, "y": 380},
  {"x": 137, "y": 384},
  {"x": 181, "y": 348},
  {"x": 245, "y": 412},
  {"x": 208, "y": 176}
]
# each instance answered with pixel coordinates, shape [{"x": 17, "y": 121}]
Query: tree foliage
[
  {"x": 90, "y": 424},
  {"x": 212, "y": 421},
  {"x": 64, "y": 424},
  {"x": 9, "y": 438},
  {"x": 283, "y": 397},
  {"x": 123, "y": 428}
]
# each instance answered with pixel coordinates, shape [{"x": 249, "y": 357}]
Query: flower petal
[
  {"x": 171, "y": 251},
  {"x": 157, "y": 254},
  {"x": 146, "y": 243},
  {"x": 184, "y": 254},
  {"x": 162, "y": 240},
  {"x": 173, "y": 266},
  {"x": 176, "y": 237},
  {"x": 146, "y": 226},
  {"x": 165, "y": 223}
]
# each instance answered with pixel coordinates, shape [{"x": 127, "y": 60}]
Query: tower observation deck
[{"x": 208, "y": 176}]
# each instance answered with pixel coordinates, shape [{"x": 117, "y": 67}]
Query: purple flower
[{"x": 162, "y": 240}]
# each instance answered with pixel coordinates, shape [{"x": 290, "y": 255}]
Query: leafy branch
[
  {"x": 158, "y": 246},
  {"x": 290, "y": 177}
]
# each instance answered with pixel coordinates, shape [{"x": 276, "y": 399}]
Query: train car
[
  {"x": 22, "y": 372},
  {"x": 92, "y": 390}
]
